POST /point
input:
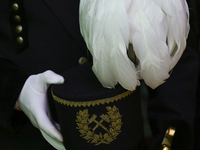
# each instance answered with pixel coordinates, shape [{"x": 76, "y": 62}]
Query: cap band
[{"x": 89, "y": 103}]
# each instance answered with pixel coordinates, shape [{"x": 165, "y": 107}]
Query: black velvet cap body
[{"x": 96, "y": 118}]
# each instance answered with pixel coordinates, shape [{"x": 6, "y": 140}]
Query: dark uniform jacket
[{"x": 35, "y": 35}]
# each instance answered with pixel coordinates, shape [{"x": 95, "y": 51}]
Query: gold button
[
  {"x": 17, "y": 18},
  {"x": 20, "y": 40},
  {"x": 18, "y": 29},
  {"x": 82, "y": 60},
  {"x": 15, "y": 6}
]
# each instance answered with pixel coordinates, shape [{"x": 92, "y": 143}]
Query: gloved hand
[{"x": 33, "y": 102}]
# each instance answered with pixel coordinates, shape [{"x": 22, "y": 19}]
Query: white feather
[
  {"x": 89, "y": 21},
  {"x": 107, "y": 37},
  {"x": 148, "y": 35},
  {"x": 178, "y": 22}
]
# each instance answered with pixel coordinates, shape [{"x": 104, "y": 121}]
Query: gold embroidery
[
  {"x": 113, "y": 117},
  {"x": 91, "y": 103}
]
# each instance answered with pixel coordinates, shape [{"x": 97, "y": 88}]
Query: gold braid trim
[{"x": 89, "y": 103}]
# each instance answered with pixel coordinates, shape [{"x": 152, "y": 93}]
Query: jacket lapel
[{"x": 67, "y": 12}]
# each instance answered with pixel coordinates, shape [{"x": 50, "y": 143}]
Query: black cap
[{"x": 96, "y": 118}]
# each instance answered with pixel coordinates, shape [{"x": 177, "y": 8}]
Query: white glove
[{"x": 33, "y": 102}]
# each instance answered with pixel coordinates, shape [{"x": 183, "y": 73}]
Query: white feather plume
[{"x": 157, "y": 29}]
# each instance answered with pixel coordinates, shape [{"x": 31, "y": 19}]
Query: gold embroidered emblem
[{"x": 113, "y": 118}]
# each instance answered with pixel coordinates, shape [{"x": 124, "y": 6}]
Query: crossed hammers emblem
[{"x": 99, "y": 123}]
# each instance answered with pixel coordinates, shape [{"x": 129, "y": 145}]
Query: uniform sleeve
[
  {"x": 12, "y": 80},
  {"x": 175, "y": 99}
]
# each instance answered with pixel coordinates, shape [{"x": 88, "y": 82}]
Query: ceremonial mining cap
[{"x": 96, "y": 118}]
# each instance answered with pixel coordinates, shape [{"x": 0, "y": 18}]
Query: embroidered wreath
[{"x": 113, "y": 117}]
